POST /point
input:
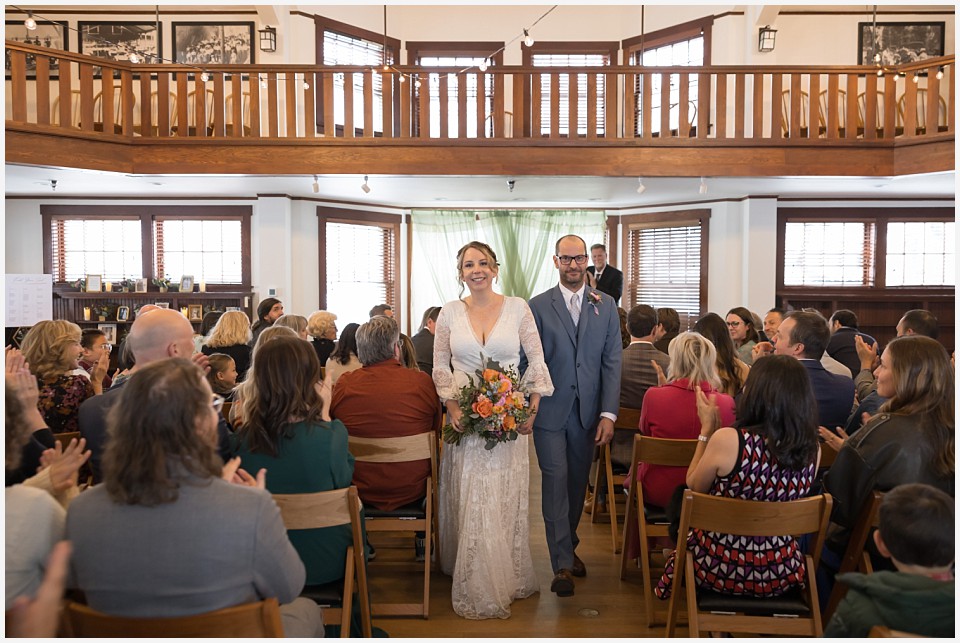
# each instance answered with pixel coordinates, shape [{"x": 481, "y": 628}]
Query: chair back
[
  {"x": 627, "y": 418},
  {"x": 405, "y": 448},
  {"x": 74, "y": 110},
  {"x": 922, "y": 110},
  {"x": 320, "y": 509},
  {"x": 664, "y": 451},
  {"x": 862, "y": 111},
  {"x": 884, "y": 632},
  {"x": 827, "y": 456},
  {"x": 260, "y": 620},
  {"x": 244, "y": 114},
  {"x": 841, "y": 108},
  {"x": 64, "y": 438},
  {"x": 785, "y": 110},
  {"x": 855, "y": 558},
  {"x": 117, "y": 106}
]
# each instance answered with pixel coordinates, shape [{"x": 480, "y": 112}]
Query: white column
[
  {"x": 759, "y": 254},
  {"x": 271, "y": 250}
]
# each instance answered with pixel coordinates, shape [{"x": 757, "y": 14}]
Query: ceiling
[{"x": 472, "y": 191}]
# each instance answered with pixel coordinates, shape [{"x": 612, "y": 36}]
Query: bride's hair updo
[{"x": 483, "y": 248}]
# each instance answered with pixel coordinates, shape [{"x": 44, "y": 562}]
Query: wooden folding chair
[
  {"x": 64, "y": 438},
  {"x": 628, "y": 420},
  {"x": 855, "y": 558},
  {"x": 884, "y": 632},
  {"x": 659, "y": 451},
  {"x": 243, "y": 127},
  {"x": 412, "y": 518},
  {"x": 74, "y": 110},
  {"x": 332, "y": 509},
  {"x": 261, "y": 620},
  {"x": 921, "y": 128},
  {"x": 785, "y": 113},
  {"x": 790, "y": 615}
]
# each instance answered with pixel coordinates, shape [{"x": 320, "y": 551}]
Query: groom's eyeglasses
[{"x": 565, "y": 260}]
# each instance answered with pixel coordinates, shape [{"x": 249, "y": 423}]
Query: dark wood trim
[
  {"x": 868, "y": 13},
  {"x": 452, "y": 48},
  {"x": 613, "y": 225},
  {"x": 934, "y": 213},
  {"x": 727, "y": 14},
  {"x": 853, "y": 198},
  {"x": 673, "y": 34},
  {"x": 408, "y": 221},
  {"x": 392, "y": 44},
  {"x": 302, "y": 14},
  {"x": 135, "y": 12}
]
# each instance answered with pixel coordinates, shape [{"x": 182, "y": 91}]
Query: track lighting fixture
[
  {"x": 316, "y": 184},
  {"x": 703, "y": 185},
  {"x": 511, "y": 183},
  {"x": 641, "y": 188},
  {"x": 30, "y": 23},
  {"x": 263, "y": 82},
  {"x": 53, "y": 185},
  {"x": 527, "y": 38},
  {"x": 365, "y": 187},
  {"x": 306, "y": 84}
]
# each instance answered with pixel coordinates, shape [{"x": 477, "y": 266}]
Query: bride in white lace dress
[{"x": 484, "y": 494}]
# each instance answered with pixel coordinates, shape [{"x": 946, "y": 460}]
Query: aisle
[{"x": 603, "y": 606}]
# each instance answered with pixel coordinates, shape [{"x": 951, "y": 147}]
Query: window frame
[
  {"x": 147, "y": 214},
  {"x": 356, "y": 217}
]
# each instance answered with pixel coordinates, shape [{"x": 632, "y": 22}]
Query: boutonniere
[{"x": 595, "y": 300}]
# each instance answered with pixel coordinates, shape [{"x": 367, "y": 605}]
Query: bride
[{"x": 484, "y": 530}]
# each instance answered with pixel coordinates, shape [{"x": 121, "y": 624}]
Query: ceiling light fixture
[
  {"x": 30, "y": 23},
  {"x": 365, "y": 187},
  {"x": 703, "y": 185},
  {"x": 641, "y": 188},
  {"x": 53, "y": 184},
  {"x": 316, "y": 184}
]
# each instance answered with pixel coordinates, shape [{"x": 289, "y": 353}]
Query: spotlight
[
  {"x": 940, "y": 73},
  {"x": 316, "y": 184},
  {"x": 703, "y": 185},
  {"x": 134, "y": 58},
  {"x": 30, "y": 23},
  {"x": 53, "y": 185},
  {"x": 483, "y": 65},
  {"x": 641, "y": 188},
  {"x": 204, "y": 76},
  {"x": 511, "y": 183},
  {"x": 527, "y": 38},
  {"x": 365, "y": 187}
]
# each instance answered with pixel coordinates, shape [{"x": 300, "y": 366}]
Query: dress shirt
[{"x": 567, "y": 294}]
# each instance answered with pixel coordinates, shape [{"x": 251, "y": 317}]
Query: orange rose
[
  {"x": 505, "y": 386},
  {"x": 490, "y": 375},
  {"x": 518, "y": 400},
  {"x": 498, "y": 409},
  {"x": 483, "y": 407},
  {"x": 509, "y": 423}
]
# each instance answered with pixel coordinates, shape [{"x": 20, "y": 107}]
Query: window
[
  {"x": 921, "y": 253},
  {"x": 666, "y": 262},
  {"x": 212, "y": 243},
  {"x": 686, "y": 45},
  {"x": 570, "y": 54},
  {"x": 465, "y": 56},
  {"x": 342, "y": 44},
  {"x": 359, "y": 262},
  {"x": 829, "y": 253}
]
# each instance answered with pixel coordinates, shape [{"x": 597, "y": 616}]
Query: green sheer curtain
[{"x": 523, "y": 240}]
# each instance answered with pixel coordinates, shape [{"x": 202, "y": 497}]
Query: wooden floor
[{"x": 603, "y": 606}]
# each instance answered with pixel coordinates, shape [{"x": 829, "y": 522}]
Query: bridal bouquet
[{"x": 493, "y": 406}]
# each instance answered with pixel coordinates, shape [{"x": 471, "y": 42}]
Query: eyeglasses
[
  {"x": 565, "y": 260},
  {"x": 733, "y": 324},
  {"x": 217, "y": 402}
]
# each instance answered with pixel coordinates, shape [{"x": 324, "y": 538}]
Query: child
[
  {"x": 222, "y": 375},
  {"x": 94, "y": 343},
  {"x": 917, "y": 533}
]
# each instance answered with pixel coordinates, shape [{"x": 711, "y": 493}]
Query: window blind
[
  {"x": 921, "y": 253},
  {"x": 88, "y": 246},
  {"x": 829, "y": 253},
  {"x": 454, "y": 83},
  {"x": 684, "y": 53},
  {"x": 663, "y": 267},
  {"x": 209, "y": 249},
  {"x": 341, "y": 49},
  {"x": 571, "y": 60},
  {"x": 361, "y": 273}
]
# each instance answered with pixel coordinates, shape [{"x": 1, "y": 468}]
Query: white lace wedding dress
[{"x": 484, "y": 494}]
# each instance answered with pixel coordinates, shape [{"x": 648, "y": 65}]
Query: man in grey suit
[{"x": 580, "y": 331}]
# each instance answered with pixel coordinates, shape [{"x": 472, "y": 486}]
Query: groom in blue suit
[{"x": 580, "y": 331}]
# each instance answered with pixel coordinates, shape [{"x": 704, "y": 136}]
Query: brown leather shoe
[
  {"x": 562, "y": 583},
  {"x": 579, "y": 569},
  {"x": 588, "y": 503}
]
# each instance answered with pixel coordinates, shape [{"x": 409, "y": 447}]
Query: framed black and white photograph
[
  {"x": 109, "y": 332},
  {"x": 207, "y": 43},
  {"x": 117, "y": 40},
  {"x": 899, "y": 43},
  {"x": 141, "y": 285},
  {"x": 54, "y": 35}
]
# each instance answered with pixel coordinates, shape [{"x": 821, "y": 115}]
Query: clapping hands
[
  {"x": 708, "y": 413},
  {"x": 64, "y": 463},
  {"x": 233, "y": 473}
]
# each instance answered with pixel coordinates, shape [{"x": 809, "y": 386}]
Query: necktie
[{"x": 575, "y": 309}]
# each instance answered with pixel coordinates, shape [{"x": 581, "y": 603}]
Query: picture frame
[
  {"x": 214, "y": 43},
  {"x": 53, "y": 34},
  {"x": 123, "y": 313},
  {"x": 195, "y": 312},
  {"x": 186, "y": 283},
  {"x": 109, "y": 331},
  {"x": 114, "y": 40},
  {"x": 162, "y": 304},
  {"x": 141, "y": 285},
  {"x": 899, "y": 43},
  {"x": 94, "y": 283}
]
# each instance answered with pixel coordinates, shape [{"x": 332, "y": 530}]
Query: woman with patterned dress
[
  {"x": 484, "y": 493},
  {"x": 771, "y": 455}
]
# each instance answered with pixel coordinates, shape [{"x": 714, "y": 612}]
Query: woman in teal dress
[{"x": 289, "y": 433}]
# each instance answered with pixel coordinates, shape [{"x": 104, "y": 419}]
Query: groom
[{"x": 580, "y": 331}]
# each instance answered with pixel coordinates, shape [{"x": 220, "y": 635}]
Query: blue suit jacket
[
  {"x": 584, "y": 361},
  {"x": 834, "y": 394}
]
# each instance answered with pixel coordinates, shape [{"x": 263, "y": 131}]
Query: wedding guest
[
  {"x": 231, "y": 336},
  {"x": 423, "y": 340},
  {"x": 241, "y": 391},
  {"x": 743, "y": 332},
  {"x": 223, "y": 375},
  {"x": 323, "y": 328},
  {"x": 843, "y": 333},
  {"x": 731, "y": 370},
  {"x": 209, "y": 322},
  {"x": 344, "y": 358},
  {"x": 602, "y": 275},
  {"x": 94, "y": 344},
  {"x": 670, "y": 322},
  {"x": 408, "y": 353},
  {"x": 268, "y": 311},
  {"x": 381, "y": 309},
  {"x": 297, "y": 323}
]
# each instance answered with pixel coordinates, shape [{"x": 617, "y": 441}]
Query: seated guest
[
  {"x": 359, "y": 400},
  {"x": 322, "y": 327},
  {"x": 94, "y": 344},
  {"x": 268, "y": 311},
  {"x": 296, "y": 323},
  {"x": 223, "y": 375},
  {"x": 206, "y": 326},
  {"x": 917, "y": 534},
  {"x": 624, "y": 333},
  {"x": 743, "y": 332},
  {"x": 423, "y": 340},
  {"x": 381, "y": 309},
  {"x": 240, "y": 392},
  {"x": 52, "y": 348},
  {"x": 168, "y": 534},
  {"x": 344, "y": 358},
  {"x": 37, "y": 436},
  {"x": 408, "y": 353},
  {"x": 771, "y": 322},
  {"x": 125, "y": 356},
  {"x": 914, "y": 322},
  {"x": 911, "y": 440},
  {"x": 669, "y": 320},
  {"x": 731, "y": 370},
  {"x": 842, "y": 345},
  {"x": 287, "y": 431},
  {"x": 231, "y": 336},
  {"x": 804, "y": 335},
  {"x": 770, "y": 455}
]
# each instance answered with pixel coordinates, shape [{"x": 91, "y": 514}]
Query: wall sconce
[
  {"x": 268, "y": 39},
  {"x": 768, "y": 39}
]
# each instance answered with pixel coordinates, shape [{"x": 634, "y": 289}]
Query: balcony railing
[{"x": 785, "y": 105}]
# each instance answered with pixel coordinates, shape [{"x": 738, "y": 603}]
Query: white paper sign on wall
[{"x": 28, "y": 299}]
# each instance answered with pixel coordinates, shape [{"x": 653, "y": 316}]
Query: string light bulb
[
  {"x": 483, "y": 65},
  {"x": 703, "y": 185},
  {"x": 417, "y": 84},
  {"x": 316, "y": 184},
  {"x": 940, "y": 73},
  {"x": 365, "y": 187},
  {"x": 916, "y": 78},
  {"x": 402, "y": 78},
  {"x": 880, "y": 73},
  {"x": 263, "y": 82},
  {"x": 641, "y": 188},
  {"x": 30, "y": 23},
  {"x": 527, "y": 38},
  {"x": 204, "y": 76},
  {"x": 134, "y": 58}
]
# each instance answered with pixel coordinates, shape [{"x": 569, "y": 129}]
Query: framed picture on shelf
[
  {"x": 186, "y": 283},
  {"x": 195, "y": 312},
  {"x": 141, "y": 285},
  {"x": 109, "y": 331},
  {"x": 162, "y": 304},
  {"x": 899, "y": 43},
  {"x": 94, "y": 283},
  {"x": 51, "y": 34},
  {"x": 123, "y": 313},
  {"x": 117, "y": 40},
  {"x": 213, "y": 43}
]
